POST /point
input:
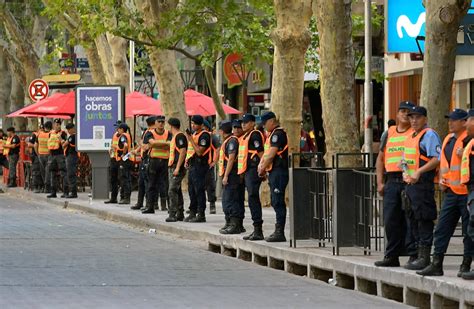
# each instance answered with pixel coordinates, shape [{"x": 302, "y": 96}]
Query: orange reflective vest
[
  {"x": 451, "y": 172},
  {"x": 119, "y": 153},
  {"x": 160, "y": 151},
  {"x": 267, "y": 147},
  {"x": 222, "y": 157},
  {"x": 43, "y": 138},
  {"x": 54, "y": 141},
  {"x": 244, "y": 151},
  {"x": 465, "y": 162},
  {"x": 394, "y": 148},
  {"x": 190, "y": 153},
  {"x": 1, "y": 146},
  {"x": 6, "y": 151},
  {"x": 173, "y": 149},
  {"x": 412, "y": 151},
  {"x": 115, "y": 140}
]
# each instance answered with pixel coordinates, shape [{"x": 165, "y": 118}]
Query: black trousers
[{"x": 157, "y": 172}]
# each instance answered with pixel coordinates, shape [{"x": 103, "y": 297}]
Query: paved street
[{"x": 52, "y": 258}]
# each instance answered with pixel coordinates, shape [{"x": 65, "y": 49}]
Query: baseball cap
[
  {"x": 57, "y": 120},
  {"x": 123, "y": 126},
  {"x": 470, "y": 113},
  {"x": 151, "y": 120},
  {"x": 418, "y": 110},
  {"x": 406, "y": 105},
  {"x": 206, "y": 124},
  {"x": 267, "y": 116},
  {"x": 226, "y": 126},
  {"x": 197, "y": 119},
  {"x": 117, "y": 123},
  {"x": 237, "y": 123},
  {"x": 174, "y": 122},
  {"x": 160, "y": 118},
  {"x": 70, "y": 126},
  {"x": 248, "y": 117},
  {"x": 457, "y": 114}
]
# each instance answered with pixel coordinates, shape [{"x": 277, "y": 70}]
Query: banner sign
[
  {"x": 98, "y": 108},
  {"x": 406, "y": 20}
]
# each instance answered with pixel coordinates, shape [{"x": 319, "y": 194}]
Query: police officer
[
  {"x": 164, "y": 188},
  {"x": 37, "y": 180},
  {"x": 230, "y": 180},
  {"x": 455, "y": 198},
  {"x": 158, "y": 140},
  {"x": 41, "y": 148},
  {"x": 142, "y": 150},
  {"x": 176, "y": 171},
  {"x": 211, "y": 173},
  {"x": 396, "y": 222},
  {"x": 56, "y": 160},
  {"x": 71, "y": 160},
  {"x": 250, "y": 152},
  {"x": 3, "y": 158},
  {"x": 11, "y": 149},
  {"x": 238, "y": 132},
  {"x": 467, "y": 178},
  {"x": 275, "y": 163},
  {"x": 122, "y": 156},
  {"x": 114, "y": 168},
  {"x": 421, "y": 153},
  {"x": 198, "y": 158}
]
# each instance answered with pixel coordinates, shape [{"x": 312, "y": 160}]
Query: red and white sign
[{"x": 38, "y": 90}]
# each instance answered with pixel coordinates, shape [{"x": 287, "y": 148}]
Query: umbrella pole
[{"x": 134, "y": 127}]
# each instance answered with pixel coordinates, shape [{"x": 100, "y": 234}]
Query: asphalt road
[{"x": 56, "y": 258}]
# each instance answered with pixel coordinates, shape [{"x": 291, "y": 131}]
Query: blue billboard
[
  {"x": 406, "y": 19},
  {"x": 97, "y": 110}
]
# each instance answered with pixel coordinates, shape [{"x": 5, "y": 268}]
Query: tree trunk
[
  {"x": 17, "y": 96},
  {"x": 337, "y": 79},
  {"x": 105, "y": 55},
  {"x": 5, "y": 86},
  {"x": 119, "y": 62},
  {"x": 211, "y": 84},
  {"x": 95, "y": 65},
  {"x": 291, "y": 38},
  {"x": 442, "y": 24},
  {"x": 163, "y": 62}
]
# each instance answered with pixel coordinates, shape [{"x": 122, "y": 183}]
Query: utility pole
[
  {"x": 219, "y": 92},
  {"x": 368, "y": 101}
]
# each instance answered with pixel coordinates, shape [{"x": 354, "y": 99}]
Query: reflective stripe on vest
[
  {"x": 173, "y": 148},
  {"x": 244, "y": 151},
  {"x": 394, "y": 148},
  {"x": 465, "y": 162},
  {"x": 115, "y": 140},
  {"x": 222, "y": 157},
  {"x": 1, "y": 146},
  {"x": 451, "y": 172},
  {"x": 6, "y": 151},
  {"x": 43, "y": 138},
  {"x": 54, "y": 141},
  {"x": 160, "y": 151},
  {"x": 267, "y": 147},
  {"x": 190, "y": 152},
  {"x": 412, "y": 151},
  {"x": 118, "y": 156}
]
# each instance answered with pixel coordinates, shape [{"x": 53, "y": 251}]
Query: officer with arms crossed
[
  {"x": 396, "y": 222},
  {"x": 176, "y": 171},
  {"x": 11, "y": 149},
  {"x": 250, "y": 152},
  {"x": 198, "y": 158},
  {"x": 56, "y": 162},
  {"x": 41, "y": 147},
  {"x": 71, "y": 160},
  {"x": 275, "y": 163},
  {"x": 211, "y": 174},
  {"x": 122, "y": 156},
  {"x": 421, "y": 153},
  {"x": 114, "y": 167}
]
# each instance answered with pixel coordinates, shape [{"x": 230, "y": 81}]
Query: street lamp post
[{"x": 368, "y": 103}]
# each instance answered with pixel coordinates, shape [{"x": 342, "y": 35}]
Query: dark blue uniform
[
  {"x": 252, "y": 180},
  {"x": 230, "y": 195},
  {"x": 71, "y": 164}
]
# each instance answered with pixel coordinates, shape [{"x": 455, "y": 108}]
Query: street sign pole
[{"x": 368, "y": 104}]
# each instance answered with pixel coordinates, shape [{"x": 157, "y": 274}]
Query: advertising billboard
[{"x": 98, "y": 108}]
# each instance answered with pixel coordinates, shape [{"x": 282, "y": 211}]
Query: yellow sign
[{"x": 66, "y": 78}]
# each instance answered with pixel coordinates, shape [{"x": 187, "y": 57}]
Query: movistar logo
[{"x": 413, "y": 30}]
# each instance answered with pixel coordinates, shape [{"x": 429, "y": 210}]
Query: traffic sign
[{"x": 38, "y": 90}]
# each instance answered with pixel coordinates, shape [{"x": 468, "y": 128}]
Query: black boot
[
  {"x": 136, "y": 207},
  {"x": 52, "y": 195},
  {"x": 163, "y": 204},
  {"x": 199, "y": 218},
  {"x": 241, "y": 226},
  {"x": 388, "y": 261},
  {"x": 125, "y": 201},
  {"x": 113, "y": 200},
  {"x": 465, "y": 266},
  {"x": 278, "y": 235},
  {"x": 423, "y": 259},
  {"x": 468, "y": 275},
  {"x": 233, "y": 227},
  {"x": 179, "y": 215},
  {"x": 139, "y": 204},
  {"x": 226, "y": 225},
  {"x": 64, "y": 195},
  {"x": 171, "y": 217},
  {"x": 212, "y": 208},
  {"x": 257, "y": 234},
  {"x": 150, "y": 209},
  {"x": 192, "y": 216},
  {"x": 73, "y": 194},
  {"x": 435, "y": 268},
  {"x": 410, "y": 261}
]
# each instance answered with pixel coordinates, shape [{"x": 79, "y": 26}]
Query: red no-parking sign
[{"x": 38, "y": 90}]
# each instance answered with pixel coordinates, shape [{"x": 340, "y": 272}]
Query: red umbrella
[
  {"x": 200, "y": 104},
  {"x": 26, "y": 111},
  {"x": 57, "y": 104},
  {"x": 138, "y": 104}
]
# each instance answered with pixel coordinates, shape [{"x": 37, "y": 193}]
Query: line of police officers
[
  {"x": 411, "y": 159},
  {"x": 245, "y": 159},
  {"x": 53, "y": 156}
]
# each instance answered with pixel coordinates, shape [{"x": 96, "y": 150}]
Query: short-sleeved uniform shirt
[
  {"x": 149, "y": 135},
  {"x": 204, "y": 141},
  {"x": 121, "y": 143},
  {"x": 181, "y": 142},
  {"x": 255, "y": 143},
  {"x": 232, "y": 147},
  {"x": 71, "y": 148},
  {"x": 430, "y": 144},
  {"x": 62, "y": 137},
  {"x": 280, "y": 141},
  {"x": 16, "y": 141}
]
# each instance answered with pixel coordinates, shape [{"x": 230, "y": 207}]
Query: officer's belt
[{"x": 394, "y": 176}]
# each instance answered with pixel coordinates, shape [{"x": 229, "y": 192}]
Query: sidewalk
[{"x": 354, "y": 271}]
